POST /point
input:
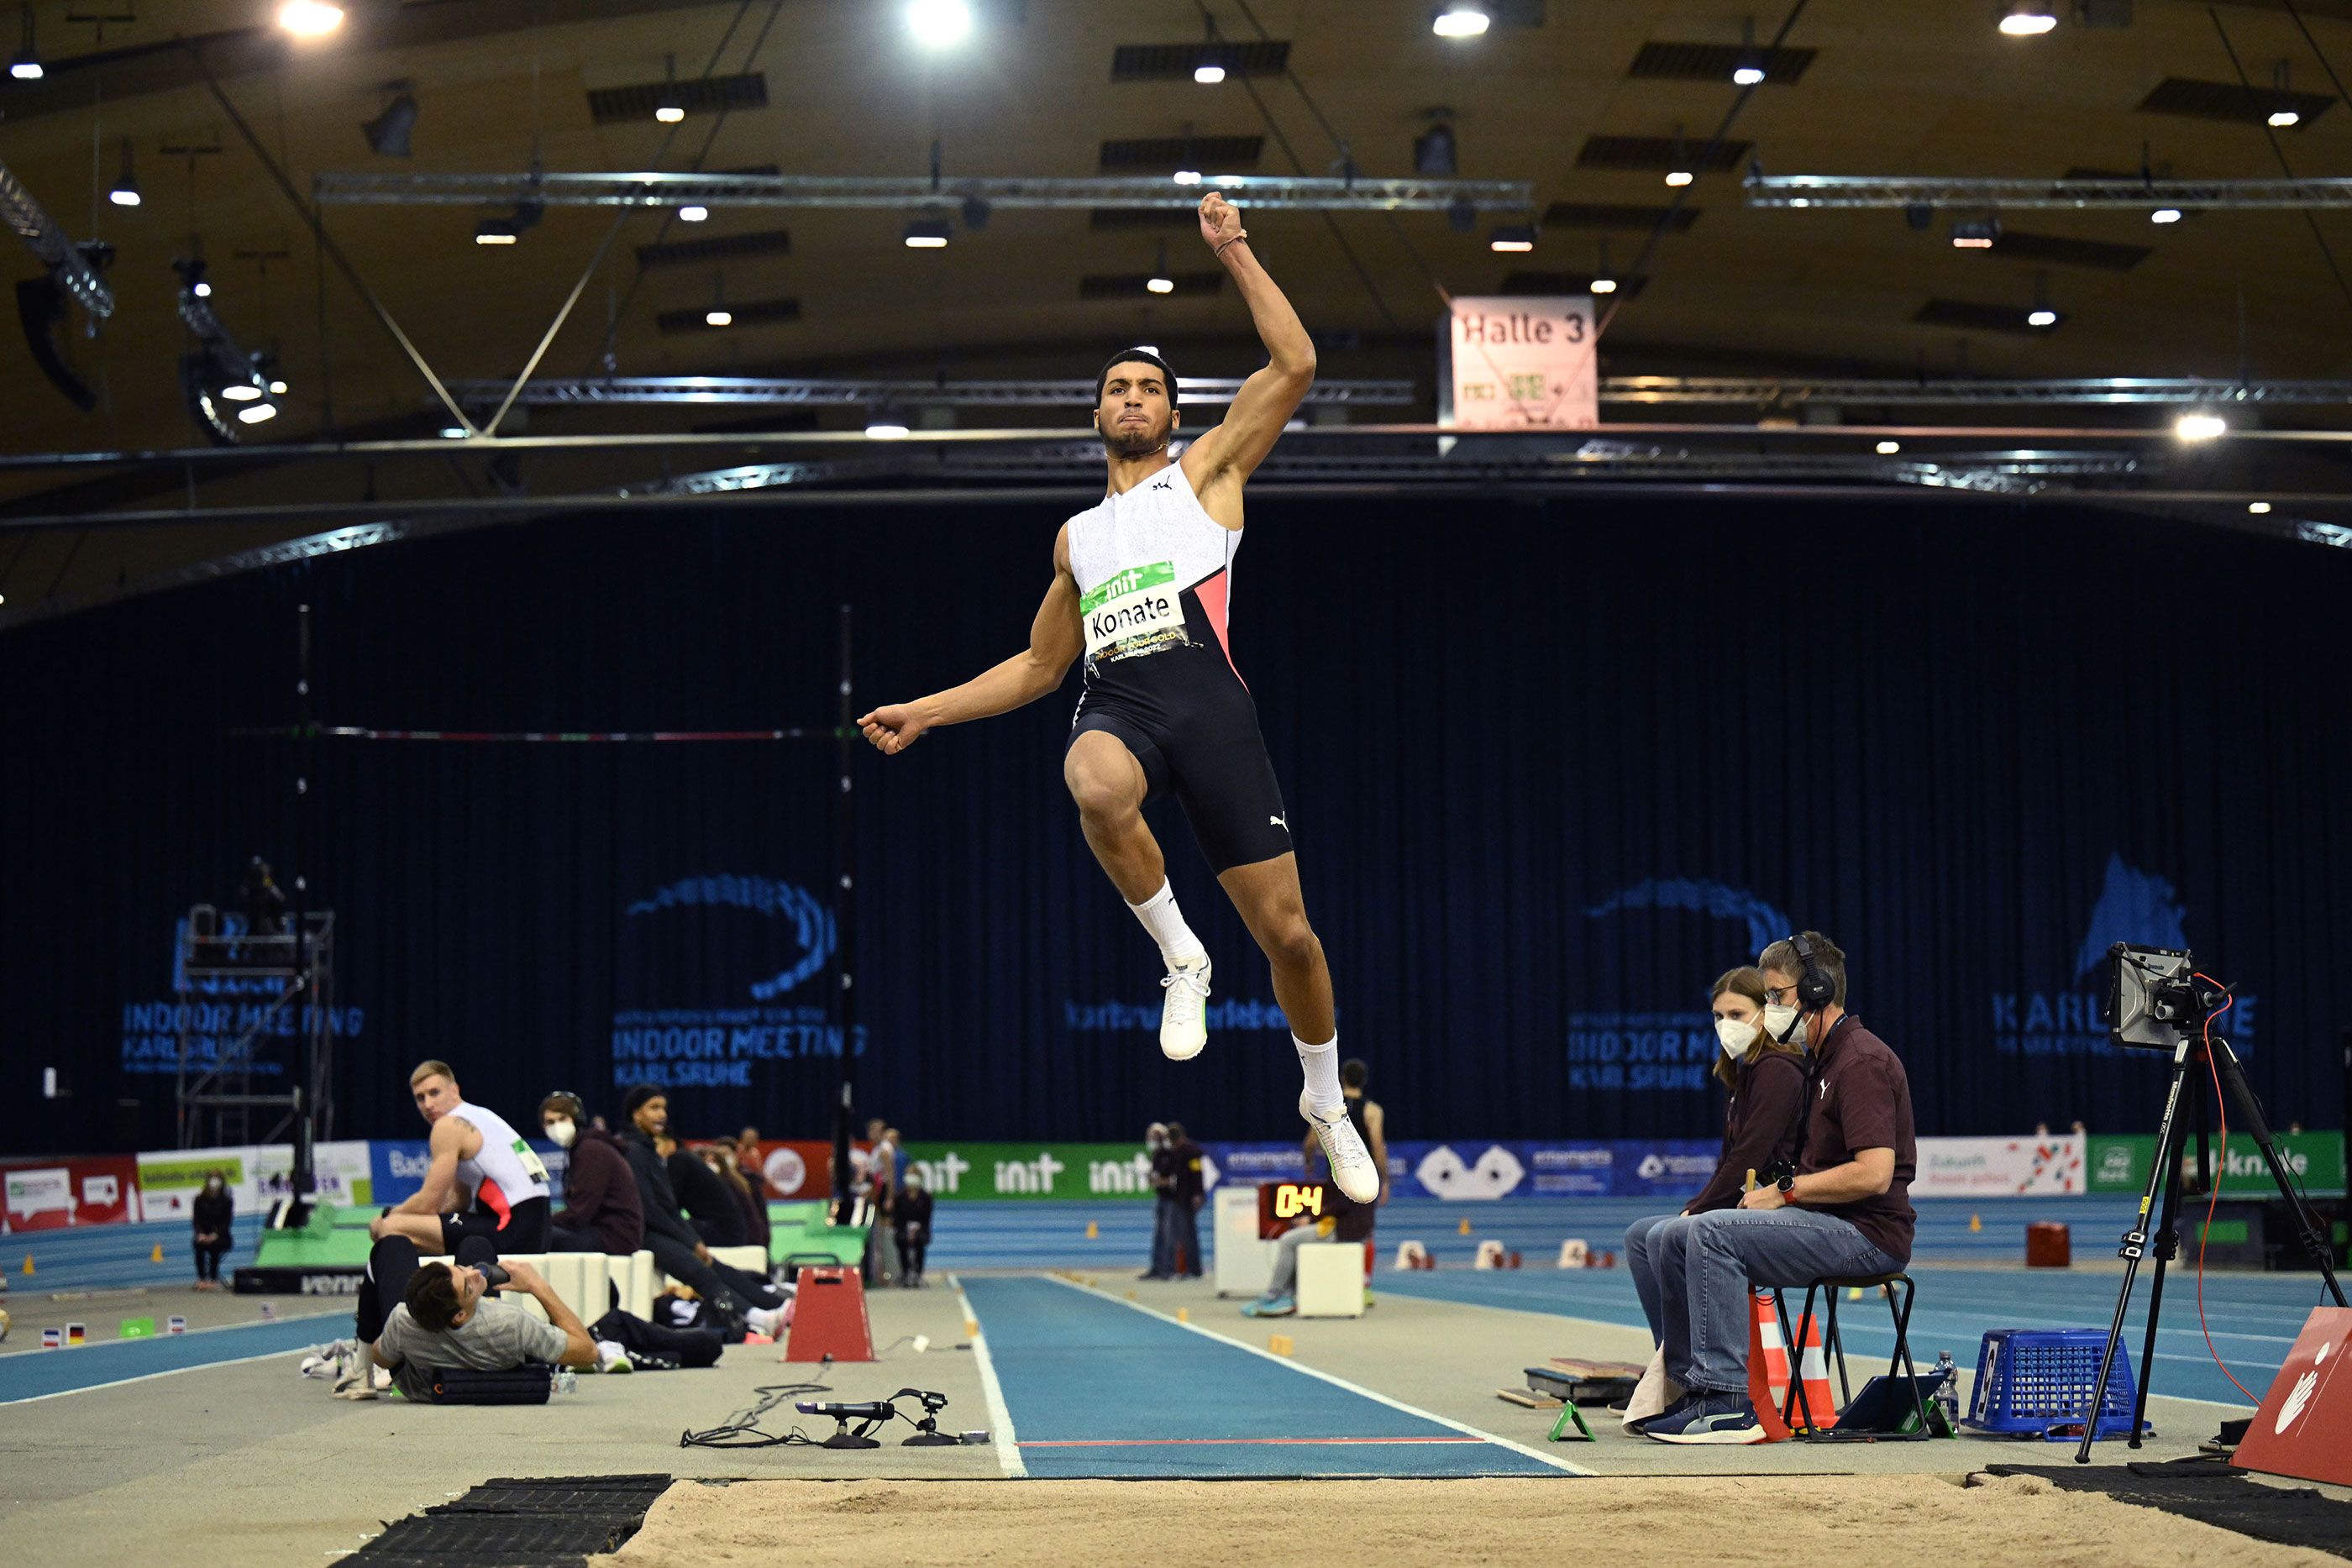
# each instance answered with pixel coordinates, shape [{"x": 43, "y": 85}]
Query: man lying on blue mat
[{"x": 1845, "y": 1212}]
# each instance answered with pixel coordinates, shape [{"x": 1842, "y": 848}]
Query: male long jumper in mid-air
[{"x": 1143, "y": 584}]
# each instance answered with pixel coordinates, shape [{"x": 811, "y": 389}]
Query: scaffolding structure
[{"x": 215, "y": 1096}]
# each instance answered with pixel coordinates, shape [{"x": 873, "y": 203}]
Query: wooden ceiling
[{"x": 1888, "y": 90}]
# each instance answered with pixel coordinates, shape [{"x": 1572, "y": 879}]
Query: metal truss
[
  {"x": 46, "y": 241},
  {"x": 1297, "y": 192},
  {"x": 1767, "y": 391},
  {"x": 1928, "y": 191},
  {"x": 760, "y": 389}
]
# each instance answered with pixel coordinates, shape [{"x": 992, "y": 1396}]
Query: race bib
[{"x": 1139, "y": 610}]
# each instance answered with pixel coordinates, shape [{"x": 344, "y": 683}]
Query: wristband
[{"x": 1238, "y": 239}]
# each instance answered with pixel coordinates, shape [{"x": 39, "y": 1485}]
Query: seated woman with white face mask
[
  {"x": 1763, "y": 1120},
  {"x": 601, "y": 1212}
]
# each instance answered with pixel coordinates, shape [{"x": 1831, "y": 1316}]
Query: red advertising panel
[
  {"x": 2305, "y": 1427},
  {"x": 51, "y": 1194},
  {"x": 796, "y": 1168}
]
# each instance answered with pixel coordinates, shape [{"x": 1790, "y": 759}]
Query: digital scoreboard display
[{"x": 1282, "y": 1204}]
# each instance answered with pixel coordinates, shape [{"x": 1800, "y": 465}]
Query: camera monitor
[{"x": 2151, "y": 1000}]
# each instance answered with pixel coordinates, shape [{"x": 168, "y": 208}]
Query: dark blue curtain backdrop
[{"x": 1551, "y": 764}]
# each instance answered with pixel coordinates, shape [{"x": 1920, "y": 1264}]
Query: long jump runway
[{"x": 1098, "y": 1387}]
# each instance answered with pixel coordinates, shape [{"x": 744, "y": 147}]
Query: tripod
[{"x": 2189, "y": 1059}]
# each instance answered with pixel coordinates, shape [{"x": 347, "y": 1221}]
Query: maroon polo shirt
[{"x": 1862, "y": 1100}]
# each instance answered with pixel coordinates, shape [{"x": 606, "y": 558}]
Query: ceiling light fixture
[
  {"x": 693, "y": 213},
  {"x": 2284, "y": 114},
  {"x": 387, "y": 134},
  {"x": 1749, "y": 68},
  {"x": 1187, "y": 176},
  {"x": 1888, "y": 448},
  {"x": 1461, "y": 20},
  {"x": 718, "y": 316},
  {"x": 256, "y": 413},
  {"x": 1975, "y": 234},
  {"x": 927, "y": 234},
  {"x": 2200, "y": 427},
  {"x": 125, "y": 192},
  {"x": 2165, "y": 215},
  {"x": 939, "y": 24},
  {"x": 26, "y": 65},
  {"x": 1434, "y": 152},
  {"x": 2028, "y": 18},
  {"x": 1159, "y": 282},
  {"x": 1512, "y": 237},
  {"x": 671, "y": 106},
  {"x": 2259, "y": 508},
  {"x": 310, "y": 18},
  {"x": 1604, "y": 280}
]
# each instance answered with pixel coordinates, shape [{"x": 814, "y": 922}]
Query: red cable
[{"x": 2221, "y": 1111}]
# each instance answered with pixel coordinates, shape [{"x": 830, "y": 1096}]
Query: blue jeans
[
  {"x": 1641, "y": 1262},
  {"x": 1183, "y": 1239},
  {"x": 1707, "y": 1263},
  {"x": 1163, "y": 1237}
]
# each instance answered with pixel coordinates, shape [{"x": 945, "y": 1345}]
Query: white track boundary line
[
  {"x": 1336, "y": 1381},
  {"x": 1000, "y": 1419},
  {"x": 148, "y": 1377}
]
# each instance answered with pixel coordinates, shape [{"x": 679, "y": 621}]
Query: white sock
[
  {"x": 1322, "y": 1065},
  {"x": 1161, "y": 917}
]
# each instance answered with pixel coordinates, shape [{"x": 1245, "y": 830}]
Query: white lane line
[
  {"x": 148, "y": 1377},
  {"x": 999, "y": 1420},
  {"x": 1338, "y": 1381}
]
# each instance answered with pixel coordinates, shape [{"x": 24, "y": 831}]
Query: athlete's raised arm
[
  {"x": 1053, "y": 645},
  {"x": 1231, "y": 452}
]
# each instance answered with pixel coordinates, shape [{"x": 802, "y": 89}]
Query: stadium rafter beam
[
  {"x": 1974, "y": 194},
  {"x": 602, "y": 391},
  {"x": 652, "y": 189},
  {"x": 49, "y": 243},
  {"x": 1785, "y": 391}
]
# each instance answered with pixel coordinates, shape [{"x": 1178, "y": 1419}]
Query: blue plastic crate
[{"x": 2037, "y": 1383}]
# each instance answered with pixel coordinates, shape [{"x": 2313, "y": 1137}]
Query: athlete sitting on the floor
[{"x": 479, "y": 1148}]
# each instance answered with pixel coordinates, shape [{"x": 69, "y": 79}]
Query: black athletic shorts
[
  {"x": 525, "y": 1231},
  {"x": 1191, "y": 724}
]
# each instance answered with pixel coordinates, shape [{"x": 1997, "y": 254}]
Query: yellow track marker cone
[
  {"x": 1184, "y": 1315},
  {"x": 157, "y": 1255},
  {"x": 28, "y": 1262},
  {"x": 971, "y": 1329},
  {"x": 1976, "y": 1224},
  {"x": 1465, "y": 1225},
  {"x": 1094, "y": 1232},
  {"x": 1279, "y": 1343},
  {"x": 1131, "y": 1295}
]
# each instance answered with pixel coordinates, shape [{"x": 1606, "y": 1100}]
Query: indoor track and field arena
[{"x": 673, "y": 895}]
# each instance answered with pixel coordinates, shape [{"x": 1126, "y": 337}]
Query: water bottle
[
  {"x": 567, "y": 1381},
  {"x": 1947, "y": 1397}
]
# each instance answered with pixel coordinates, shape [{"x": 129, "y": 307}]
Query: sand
[{"x": 1768, "y": 1520}]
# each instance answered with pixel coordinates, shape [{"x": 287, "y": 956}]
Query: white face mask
[
  {"x": 563, "y": 1130},
  {"x": 1779, "y": 1021},
  {"x": 1737, "y": 1035}
]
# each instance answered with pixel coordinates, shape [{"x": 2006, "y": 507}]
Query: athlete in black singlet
[{"x": 1142, "y": 586}]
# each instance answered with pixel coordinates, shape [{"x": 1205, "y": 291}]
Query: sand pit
[{"x": 1766, "y": 1520}]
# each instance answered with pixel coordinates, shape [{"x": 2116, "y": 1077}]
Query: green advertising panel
[
  {"x": 2316, "y": 1159},
  {"x": 1033, "y": 1170}
]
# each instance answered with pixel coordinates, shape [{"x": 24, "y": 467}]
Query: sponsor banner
[
  {"x": 1570, "y": 1170},
  {"x": 958, "y": 1171},
  {"x": 71, "y": 1190},
  {"x": 1662, "y": 1168},
  {"x": 2047, "y": 1166},
  {"x": 2120, "y": 1162},
  {"x": 797, "y": 1167},
  {"x": 1247, "y": 1165},
  {"x": 394, "y": 1169}
]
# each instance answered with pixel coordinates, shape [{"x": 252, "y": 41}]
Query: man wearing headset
[{"x": 1844, "y": 1211}]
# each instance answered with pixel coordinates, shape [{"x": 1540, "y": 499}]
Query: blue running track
[
  {"x": 101, "y": 1363},
  {"x": 1096, "y": 1388}
]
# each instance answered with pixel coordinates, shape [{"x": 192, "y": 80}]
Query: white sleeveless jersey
[
  {"x": 508, "y": 1171},
  {"x": 1141, "y": 561}
]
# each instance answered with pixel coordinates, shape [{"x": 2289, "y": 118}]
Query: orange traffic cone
[{"x": 1767, "y": 1366}]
